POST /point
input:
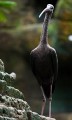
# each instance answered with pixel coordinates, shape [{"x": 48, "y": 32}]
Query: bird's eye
[{"x": 51, "y": 8}]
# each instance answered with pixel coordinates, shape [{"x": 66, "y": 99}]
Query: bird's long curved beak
[{"x": 42, "y": 12}]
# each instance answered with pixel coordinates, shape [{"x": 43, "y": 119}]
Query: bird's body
[
  {"x": 43, "y": 68},
  {"x": 44, "y": 62}
]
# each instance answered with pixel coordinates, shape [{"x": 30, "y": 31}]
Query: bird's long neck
[{"x": 44, "y": 35}]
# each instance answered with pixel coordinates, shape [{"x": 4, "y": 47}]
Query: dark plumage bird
[{"x": 44, "y": 62}]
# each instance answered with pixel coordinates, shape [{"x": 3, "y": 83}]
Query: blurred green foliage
[{"x": 5, "y": 8}]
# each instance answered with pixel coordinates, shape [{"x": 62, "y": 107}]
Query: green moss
[
  {"x": 3, "y": 85},
  {"x": 11, "y": 91},
  {"x": 2, "y": 66}
]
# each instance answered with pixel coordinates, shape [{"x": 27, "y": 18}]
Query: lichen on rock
[
  {"x": 2, "y": 65},
  {"x": 12, "y": 107}
]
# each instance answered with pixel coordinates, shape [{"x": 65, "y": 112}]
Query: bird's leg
[
  {"x": 50, "y": 100},
  {"x": 44, "y": 101}
]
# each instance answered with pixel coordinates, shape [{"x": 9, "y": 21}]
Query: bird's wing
[
  {"x": 32, "y": 61},
  {"x": 33, "y": 66},
  {"x": 55, "y": 64}
]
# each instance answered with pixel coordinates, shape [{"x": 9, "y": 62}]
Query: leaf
[
  {"x": 8, "y": 4},
  {"x": 3, "y": 18}
]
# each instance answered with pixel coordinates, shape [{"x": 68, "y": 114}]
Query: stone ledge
[{"x": 35, "y": 116}]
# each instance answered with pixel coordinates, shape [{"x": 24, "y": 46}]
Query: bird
[{"x": 44, "y": 61}]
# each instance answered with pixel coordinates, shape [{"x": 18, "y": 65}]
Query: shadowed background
[{"x": 20, "y": 33}]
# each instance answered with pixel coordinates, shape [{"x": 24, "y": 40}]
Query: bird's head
[{"x": 49, "y": 9}]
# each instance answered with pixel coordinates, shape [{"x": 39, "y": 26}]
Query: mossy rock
[
  {"x": 11, "y": 91},
  {"x": 3, "y": 85},
  {"x": 15, "y": 102},
  {"x": 35, "y": 116},
  {"x": 2, "y": 66}
]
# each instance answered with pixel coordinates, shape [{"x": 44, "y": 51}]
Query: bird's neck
[{"x": 44, "y": 35}]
